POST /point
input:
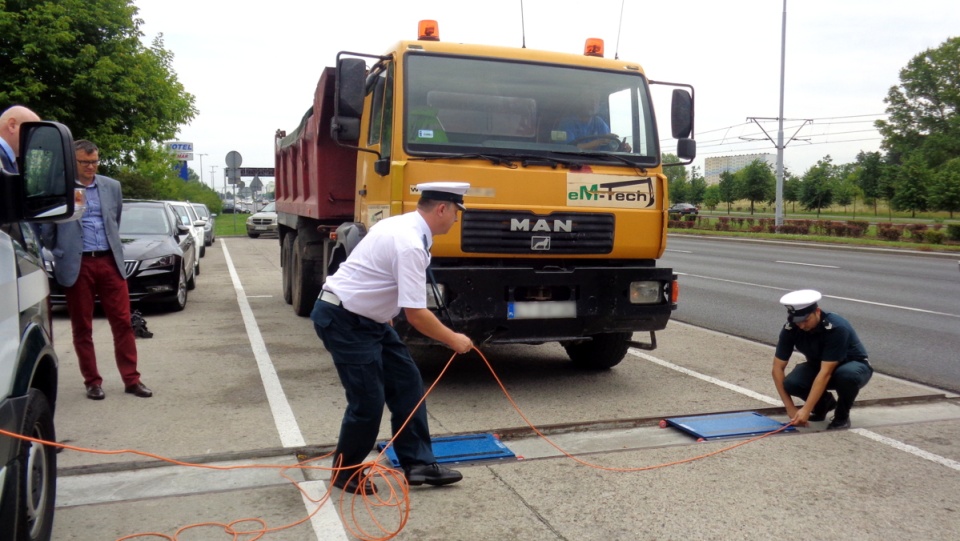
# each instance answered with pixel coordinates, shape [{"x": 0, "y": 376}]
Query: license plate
[
  {"x": 261, "y": 228},
  {"x": 542, "y": 310}
]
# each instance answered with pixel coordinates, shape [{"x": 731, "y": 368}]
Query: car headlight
[
  {"x": 250, "y": 220},
  {"x": 157, "y": 262}
]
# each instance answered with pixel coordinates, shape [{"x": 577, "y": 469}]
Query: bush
[
  {"x": 934, "y": 236},
  {"x": 953, "y": 232},
  {"x": 889, "y": 232}
]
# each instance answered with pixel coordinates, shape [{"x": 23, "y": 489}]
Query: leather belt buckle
[{"x": 330, "y": 297}]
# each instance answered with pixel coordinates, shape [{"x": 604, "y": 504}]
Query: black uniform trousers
[
  {"x": 375, "y": 368},
  {"x": 847, "y": 380}
]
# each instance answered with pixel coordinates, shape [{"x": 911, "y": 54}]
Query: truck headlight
[
  {"x": 432, "y": 299},
  {"x": 645, "y": 292}
]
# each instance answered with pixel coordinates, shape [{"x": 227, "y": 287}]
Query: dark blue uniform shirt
[{"x": 832, "y": 340}]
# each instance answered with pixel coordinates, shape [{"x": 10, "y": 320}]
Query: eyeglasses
[{"x": 88, "y": 162}]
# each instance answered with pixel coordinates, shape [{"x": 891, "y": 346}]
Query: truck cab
[{"x": 43, "y": 191}]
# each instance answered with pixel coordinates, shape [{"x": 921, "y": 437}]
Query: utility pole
[
  {"x": 201, "y": 166},
  {"x": 213, "y": 178}
]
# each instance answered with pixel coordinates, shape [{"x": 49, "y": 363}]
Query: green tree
[
  {"x": 727, "y": 189},
  {"x": 697, "y": 188},
  {"x": 756, "y": 182},
  {"x": 817, "y": 190},
  {"x": 845, "y": 187},
  {"x": 912, "y": 184},
  {"x": 677, "y": 182},
  {"x": 923, "y": 109},
  {"x": 945, "y": 188},
  {"x": 792, "y": 188},
  {"x": 81, "y": 62},
  {"x": 869, "y": 177},
  {"x": 711, "y": 196}
]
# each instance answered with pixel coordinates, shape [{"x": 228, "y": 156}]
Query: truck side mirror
[
  {"x": 686, "y": 149},
  {"x": 348, "y": 104},
  {"x": 44, "y": 189},
  {"x": 681, "y": 114}
]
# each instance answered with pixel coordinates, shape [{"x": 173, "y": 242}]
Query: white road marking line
[
  {"x": 894, "y": 306},
  {"x": 326, "y": 521},
  {"x": 896, "y": 444},
  {"x": 807, "y": 264},
  {"x": 283, "y": 418},
  {"x": 916, "y": 451}
]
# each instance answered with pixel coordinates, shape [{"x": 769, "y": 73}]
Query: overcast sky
[{"x": 253, "y": 67}]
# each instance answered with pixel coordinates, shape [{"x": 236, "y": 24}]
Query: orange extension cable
[{"x": 392, "y": 497}]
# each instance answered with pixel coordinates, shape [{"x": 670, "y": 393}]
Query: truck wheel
[
  {"x": 603, "y": 352},
  {"x": 38, "y": 476},
  {"x": 286, "y": 261},
  {"x": 306, "y": 283}
]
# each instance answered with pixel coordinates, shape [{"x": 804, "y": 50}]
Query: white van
[{"x": 28, "y": 363}]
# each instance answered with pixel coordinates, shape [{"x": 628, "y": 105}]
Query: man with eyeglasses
[
  {"x": 88, "y": 263},
  {"x": 836, "y": 360}
]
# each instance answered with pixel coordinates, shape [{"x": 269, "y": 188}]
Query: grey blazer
[{"x": 65, "y": 240}]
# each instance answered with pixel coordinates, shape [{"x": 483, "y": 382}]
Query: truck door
[{"x": 375, "y": 191}]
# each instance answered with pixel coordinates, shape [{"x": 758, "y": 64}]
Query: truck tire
[
  {"x": 286, "y": 262},
  {"x": 306, "y": 286},
  {"x": 38, "y": 476},
  {"x": 603, "y": 352}
]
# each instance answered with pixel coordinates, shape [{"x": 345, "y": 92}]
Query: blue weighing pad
[
  {"x": 727, "y": 425},
  {"x": 453, "y": 449}
]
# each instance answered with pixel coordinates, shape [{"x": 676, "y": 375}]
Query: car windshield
[
  {"x": 269, "y": 207},
  {"x": 470, "y": 106},
  {"x": 144, "y": 220},
  {"x": 201, "y": 211}
]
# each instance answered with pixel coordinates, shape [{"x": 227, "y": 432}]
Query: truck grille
[{"x": 500, "y": 232}]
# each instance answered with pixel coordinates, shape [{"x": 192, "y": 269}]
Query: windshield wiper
[
  {"x": 495, "y": 160},
  {"x": 605, "y": 155}
]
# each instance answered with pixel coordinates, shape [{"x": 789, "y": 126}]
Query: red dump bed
[{"x": 315, "y": 177}]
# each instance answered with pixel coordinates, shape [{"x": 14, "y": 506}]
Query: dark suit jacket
[
  {"x": 65, "y": 240},
  {"x": 9, "y": 165}
]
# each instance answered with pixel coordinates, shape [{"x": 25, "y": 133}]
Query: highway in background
[{"x": 904, "y": 305}]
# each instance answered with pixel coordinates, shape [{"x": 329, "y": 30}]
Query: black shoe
[
  {"x": 346, "y": 481},
  {"x": 839, "y": 423},
  {"x": 139, "y": 389},
  {"x": 431, "y": 474},
  {"x": 820, "y": 414},
  {"x": 95, "y": 392}
]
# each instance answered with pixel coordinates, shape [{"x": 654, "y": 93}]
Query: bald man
[{"x": 10, "y": 122}]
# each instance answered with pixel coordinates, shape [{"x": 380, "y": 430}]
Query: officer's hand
[
  {"x": 461, "y": 343},
  {"x": 801, "y": 418}
]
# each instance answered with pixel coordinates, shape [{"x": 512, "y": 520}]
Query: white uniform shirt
[{"x": 387, "y": 270}]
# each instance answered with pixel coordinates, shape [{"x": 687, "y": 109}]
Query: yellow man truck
[{"x": 566, "y": 214}]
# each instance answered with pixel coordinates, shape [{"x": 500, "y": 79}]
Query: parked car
[
  {"x": 188, "y": 216},
  {"x": 263, "y": 222},
  {"x": 159, "y": 255},
  {"x": 683, "y": 209},
  {"x": 209, "y": 231},
  {"x": 227, "y": 207}
]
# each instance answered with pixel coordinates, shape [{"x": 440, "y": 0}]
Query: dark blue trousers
[
  {"x": 375, "y": 368},
  {"x": 847, "y": 380}
]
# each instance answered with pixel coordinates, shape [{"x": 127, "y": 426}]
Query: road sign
[
  {"x": 179, "y": 146},
  {"x": 257, "y": 172},
  {"x": 255, "y": 184},
  {"x": 234, "y": 159}
]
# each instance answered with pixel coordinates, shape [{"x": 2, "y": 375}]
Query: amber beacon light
[
  {"x": 593, "y": 47},
  {"x": 429, "y": 31}
]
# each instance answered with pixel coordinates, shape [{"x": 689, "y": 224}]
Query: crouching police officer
[{"x": 836, "y": 360}]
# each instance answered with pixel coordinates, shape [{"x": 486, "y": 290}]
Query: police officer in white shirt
[{"x": 386, "y": 273}]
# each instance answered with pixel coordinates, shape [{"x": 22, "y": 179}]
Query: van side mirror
[{"x": 43, "y": 191}]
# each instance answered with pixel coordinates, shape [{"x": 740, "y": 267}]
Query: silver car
[
  {"x": 209, "y": 231},
  {"x": 263, "y": 222}
]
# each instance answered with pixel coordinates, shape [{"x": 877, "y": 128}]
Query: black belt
[{"x": 99, "y": 253}]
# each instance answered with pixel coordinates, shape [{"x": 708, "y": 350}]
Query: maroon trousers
[{"x": 99, "y": 276}]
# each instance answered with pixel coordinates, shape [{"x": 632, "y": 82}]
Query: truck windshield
[{"x": 458, "y": 105}]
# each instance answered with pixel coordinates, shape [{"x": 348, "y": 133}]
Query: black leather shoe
[
  {"x": 431, "y": 474},
  {"x": 95, "y": 392},
  {"x": 139, "y": 389},
  {"x": 839, "y": 423},
  {"x": 347, "y": 482},
  {"x": 820, "y": 414}
]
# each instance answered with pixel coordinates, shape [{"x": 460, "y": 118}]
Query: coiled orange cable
[{"x": 392, "y": 491}]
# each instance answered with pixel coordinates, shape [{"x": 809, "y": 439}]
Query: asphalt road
[
  {"x": 239, "y": 381},
  {"x": 905, "y": 306}
]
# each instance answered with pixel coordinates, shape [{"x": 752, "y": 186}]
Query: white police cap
[
  {"x": 444, "y": 191},
  {"x": 800, "y": 304}
]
